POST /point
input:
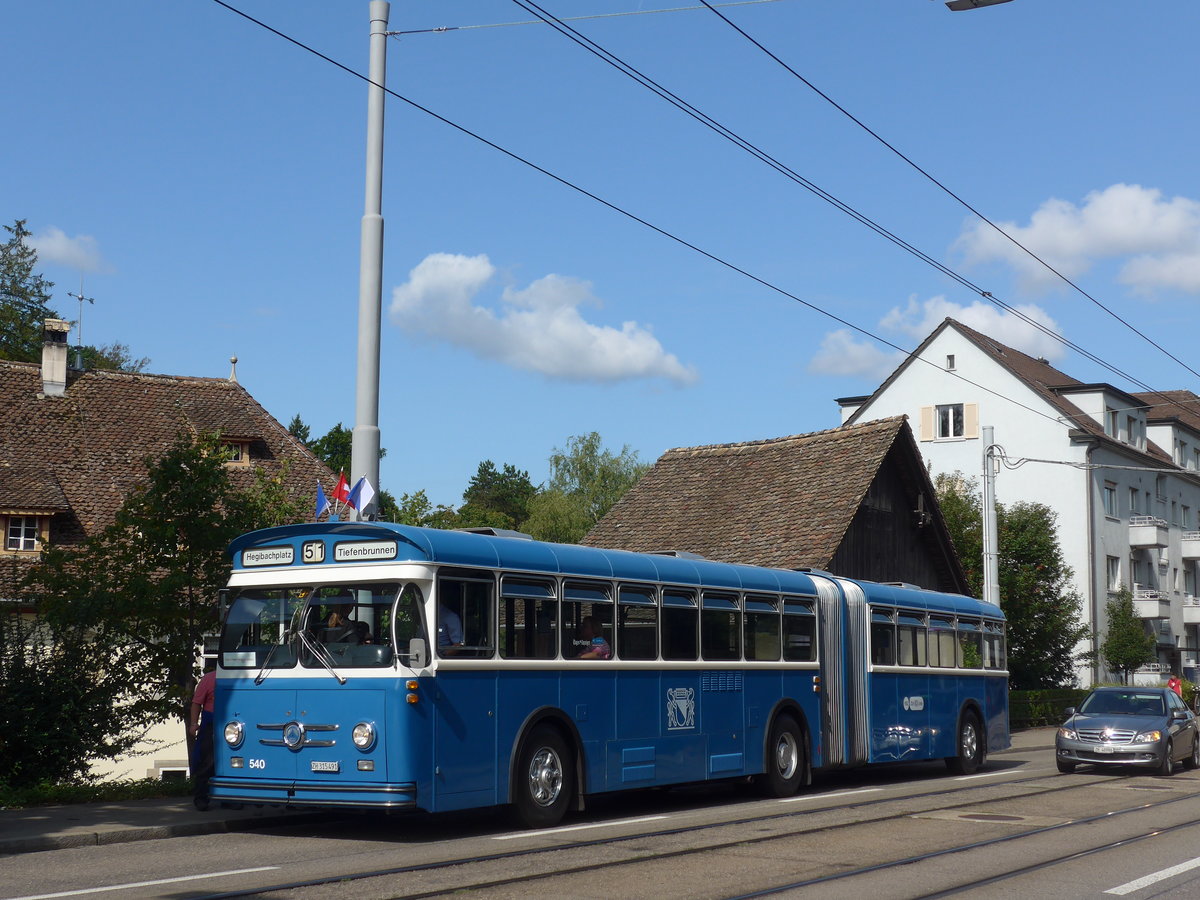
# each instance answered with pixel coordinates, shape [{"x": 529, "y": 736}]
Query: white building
[{"x": 1121, "y": 470}]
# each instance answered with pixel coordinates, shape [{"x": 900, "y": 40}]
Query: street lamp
[{"x": 956, "y": 5}]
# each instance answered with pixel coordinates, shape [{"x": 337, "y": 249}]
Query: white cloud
[
  {"x": 538, "y": 328},
  {"x": 80, "y": 252},
  {"x": 843, "y": 353},
  {"x": 1120, "y": 221}
]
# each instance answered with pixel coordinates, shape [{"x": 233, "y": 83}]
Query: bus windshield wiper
[
  {"x": 288, "y": 637},
  {"x": 317, "y": 649}
]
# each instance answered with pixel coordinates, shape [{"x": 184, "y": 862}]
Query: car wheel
[
  {"x": 787, "y": 760},
  {"x": 1167, "y": 765},
  {"x": 970, "y": 747},
  {"x": 1065, "y": 767},
  {"x": 1193, "y": 761},
  {"x": 545, "y": 779}
]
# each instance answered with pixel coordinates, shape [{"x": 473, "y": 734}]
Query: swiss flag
[{"x": 341, "y": 493}]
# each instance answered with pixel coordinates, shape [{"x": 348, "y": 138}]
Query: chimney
[{"x": 54, "y": 357}]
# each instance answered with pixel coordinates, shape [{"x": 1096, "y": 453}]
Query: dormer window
[
  {"x": 24, "y": 533},
  {"x": 237, "y": 453}
]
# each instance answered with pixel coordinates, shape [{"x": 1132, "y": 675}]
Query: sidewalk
[{"x": 87, "y": 824}]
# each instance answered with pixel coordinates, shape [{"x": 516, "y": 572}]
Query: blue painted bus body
[{"x": 629, "y": 724}]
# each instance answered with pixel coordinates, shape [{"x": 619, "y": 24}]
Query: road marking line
[
  {"x": 984, "y": 775},
  {"x": 520, "y": 834},
  {"x": 140, "y": 884},
  {"x": 828, "y": 796},
  {"x": 1131, "y": 886}
]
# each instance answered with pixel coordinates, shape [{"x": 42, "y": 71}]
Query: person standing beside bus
[{"x": 200, "y": 730}]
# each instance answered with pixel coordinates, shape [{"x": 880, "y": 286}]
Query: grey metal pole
[
  {"x": 991, "y": 541},
  {"x": 364, "y": 445}
]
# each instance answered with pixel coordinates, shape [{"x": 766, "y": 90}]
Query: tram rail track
[{"x": 913, "y": 804}]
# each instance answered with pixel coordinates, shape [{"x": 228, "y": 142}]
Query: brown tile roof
[
  {"x": 785, "y": 502},
  {"x": 82, "y": 452}
]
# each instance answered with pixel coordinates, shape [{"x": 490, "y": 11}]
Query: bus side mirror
[{"x": 416, "y": 654}]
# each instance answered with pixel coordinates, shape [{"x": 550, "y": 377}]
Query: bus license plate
[{"x": 319, "y": 765}]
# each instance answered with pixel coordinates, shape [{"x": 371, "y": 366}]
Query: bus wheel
[
  {"x": 544, "y": 779},
  {"x": 787, "y": 760},
  {"x": 970, "y": 746}
]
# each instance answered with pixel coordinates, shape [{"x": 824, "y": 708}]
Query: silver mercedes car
[{"x": 1130, "y": 726}]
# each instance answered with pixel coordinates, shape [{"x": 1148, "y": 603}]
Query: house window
[
  {"x": 1160, "y": 487},
  {"x": 21, "y": 534},
  {"x": 1113, "y": 573},
  {"x": 1185, "y": 518},
  {"x": 950, "y": 421},
  {"x": 1112, "y": 423},
  {"x": 1134, "y": 498},
  {"x": 949, "y": 362},
  {"x": 1110, "y": 499},
  {"x": 237, "y": 453}
]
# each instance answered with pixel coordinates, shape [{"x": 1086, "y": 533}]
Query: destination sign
[
  {"x": 364, "y": 551},
  {"x": 268, "y": 556}
]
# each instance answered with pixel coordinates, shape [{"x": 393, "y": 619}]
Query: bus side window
[
  {"x": 993, "y": 646},
  {"x": 720, "y": 626},
  {"x": 591, "y": 601},
  {"x": 761, "y": 622},
  {"x": 679, "y": 630},
  {"x": 528, "y": 618},
  {"x": 910, "y": 634},
  {"x": 464, "y": 616},
  {"x": 637, "y": 630},
  {"x": 883, "y": 638},
  {"x": 970, "y": 644},
  {"x": 941, "y": 643},
  {"x": 799, "y": 630}
]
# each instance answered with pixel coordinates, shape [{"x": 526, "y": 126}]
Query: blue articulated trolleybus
[{"x": 387, "y": 667}]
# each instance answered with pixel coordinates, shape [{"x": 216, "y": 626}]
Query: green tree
[
  {"x": 299, "y": 430},
  {"x": 115, "y": 357},
  {"x": 143, "y": 592},
  {"x": 1126, "y": 647},
  {"x": 1036, "y": 595},
  {"x": 499, "y": 498},
  {"x": 417, "y": 509},
  {"x": 586, "y": 480},
  {"x": 24, "y": 297}
]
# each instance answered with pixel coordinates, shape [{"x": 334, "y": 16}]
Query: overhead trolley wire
[
  {"x": 627, "y": 214},
  {"x": 944, "y": 188},
  {"x": 706, "y": 120}
]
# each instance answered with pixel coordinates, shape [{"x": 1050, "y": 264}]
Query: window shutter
[
  {"x": 970, "y": 420},
  {"x": 927, "y": 423}
]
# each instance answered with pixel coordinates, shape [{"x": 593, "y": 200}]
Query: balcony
[
  {"x": 1191, "y": 545},
  {"x": 1151, "y": 604},
  {"x": 1147, "y": 531},
  {"x": 1191, "y": 609}
]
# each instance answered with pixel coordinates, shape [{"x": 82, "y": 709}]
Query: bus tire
[
  {"x": 545, "y": 779},
  {"x": 970, "y": 746},
  {"x": 787, "y": 759}
]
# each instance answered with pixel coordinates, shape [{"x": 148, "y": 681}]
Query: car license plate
[
  {"x": 319, "y": 765},
  {"x": 1100, "y": 748}
]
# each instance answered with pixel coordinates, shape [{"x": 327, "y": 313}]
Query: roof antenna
[{"x": 79, "y": 332}]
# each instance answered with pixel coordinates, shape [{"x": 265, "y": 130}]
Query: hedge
[{"x": 1031, "y": 709}]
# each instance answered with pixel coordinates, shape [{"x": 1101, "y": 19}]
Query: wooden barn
[{"x": 854, "y": 501}]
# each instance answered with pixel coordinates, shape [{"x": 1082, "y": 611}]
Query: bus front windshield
[{"x": 357, "y": 625}]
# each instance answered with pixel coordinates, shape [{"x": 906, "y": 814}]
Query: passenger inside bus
[
  {"x": 592, "y": 638},
  {"x": 450, "y": 633}
]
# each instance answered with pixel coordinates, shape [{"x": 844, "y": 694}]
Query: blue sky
[{"x": 205, "y": 178}]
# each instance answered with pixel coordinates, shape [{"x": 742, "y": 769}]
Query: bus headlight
[
  {"x": 235, "y": 733},
  {"x": 363, "y": 735}
]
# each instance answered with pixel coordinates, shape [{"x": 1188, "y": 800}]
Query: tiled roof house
[
  {"x": 854, "y": 501},
  {"x": 1120, "y": 470},
  {"x": 72, "y": 445}
]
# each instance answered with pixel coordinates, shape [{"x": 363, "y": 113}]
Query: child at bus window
[{"x": 592, "y": 637}]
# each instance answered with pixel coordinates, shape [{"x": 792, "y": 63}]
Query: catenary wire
[
  {"x": 945, "y": 189},
  {"x": 687, "y": 108},
  {"x": 443, "y": 29},
  {"x": 632, "y": 216}
]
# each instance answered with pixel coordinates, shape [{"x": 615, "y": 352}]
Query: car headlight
[
  {"x": 1067, "y": 734},
  {"x": 363, "y": 735},
  {"x": 1148, "y": 737},
  {"x": 235, "y": 733}
]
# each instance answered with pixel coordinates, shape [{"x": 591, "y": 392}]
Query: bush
[
  {"x": 1035, "y": 708},
  {"x": 16, "y": 797}
]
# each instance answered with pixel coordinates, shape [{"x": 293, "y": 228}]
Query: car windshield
[{"x": 1123, "y": 703}]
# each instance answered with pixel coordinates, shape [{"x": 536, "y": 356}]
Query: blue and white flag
[
  {"x": 322, "y": 502},
  {"x": 360, "y": 494}
]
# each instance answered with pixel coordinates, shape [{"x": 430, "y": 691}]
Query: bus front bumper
[{"x": 301, "y": 794}]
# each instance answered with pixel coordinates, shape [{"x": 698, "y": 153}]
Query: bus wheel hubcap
[
  {"x": 786, "y": 757},
  {"x": 545, "y": 777},
  {"x": 970, "y": 743}
]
